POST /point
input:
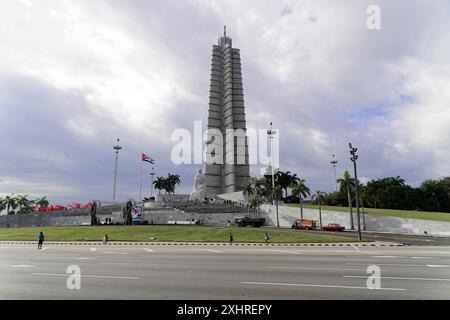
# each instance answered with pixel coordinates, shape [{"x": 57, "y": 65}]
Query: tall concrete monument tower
[{"x": 229, "y": 172}]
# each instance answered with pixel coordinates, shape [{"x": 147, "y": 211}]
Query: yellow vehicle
[{"x": 305, "y": 224}]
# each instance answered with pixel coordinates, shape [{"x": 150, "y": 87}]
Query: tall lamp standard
[
  {"x": 271, "y": 133},
  {"x": 117, "y": 148},
  {"x": 152, "y": 174},
  {"x": 353, "y": 159},
  {"x": 334, "y": 163}
]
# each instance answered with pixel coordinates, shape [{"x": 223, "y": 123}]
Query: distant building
[{"x": 226, "y": 111}]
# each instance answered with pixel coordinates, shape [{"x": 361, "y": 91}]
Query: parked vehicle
[
  {"x": 247, "y": 221},
  {"x": 305, "y": 224},
  {"x": 333, "y": 227}
]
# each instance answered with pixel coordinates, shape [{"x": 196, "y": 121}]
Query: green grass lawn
[
  {"x": 423, "y": 215},
  {"x": 165, "y": 233}
]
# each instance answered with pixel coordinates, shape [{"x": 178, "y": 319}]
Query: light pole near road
[
  {"x": 117, "y": 148},
  {"x": 334, "y": 163},
  {"x": 152, "y": 174},
  {"x": 353, "y": 159},
  {"x": 270, "y": 133}
]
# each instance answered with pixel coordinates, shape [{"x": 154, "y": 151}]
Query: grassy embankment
[
  {"x": 165, "y": 233},
  {"x": 423, "y": 215}
]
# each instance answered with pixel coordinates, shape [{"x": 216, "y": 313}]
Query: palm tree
[
  {"x": 254, "y": 203},
  {"x": 346, "y": 183},
  {"x": 398, "y": 181},
  {"x": 300, "y": 190},
  {"x": 363, "y": 195},
  {"x": 2, "y": 204},
  {"x": 277, "y": 194},
  {"x": 10, "y": 203},
  {"x": 22, "y": 202},
  {"x": 284, "y": 180},
  {"x": 248, "y": 191},
  {"x": 259, "y": 188},
  {"x": 159, "y": 183},
  {"x": 42, "y": 202},
  {"x": 3, "y": 207},
  {"x": 319, "y": 196},
  {"x": 171, "y": 181}
]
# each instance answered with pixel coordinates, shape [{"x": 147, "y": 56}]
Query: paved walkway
[{"x": 130, "y": 243}]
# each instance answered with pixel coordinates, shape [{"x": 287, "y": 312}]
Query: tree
[
  {"x": 22, "y": 202},
  {"x": 171, "y": 181},
  {"x": 347, "y": 183},
  {"x": 259, "y": 189},
  {"x": 159, "y": 183},
  {"x": 319, "y": 196},
  {"x": 2, "y": 204},
  {"x": 285, "y": 179},
  {"x": 363, "y": 196},
  {"x": 248, "y": 191},
  {"x": 300, "y": 190},
  {"x": 10, "y": 203},
  {"x": 42, "y": 202},
  {"x": 277, "y": 194},
  {"x": 254, "y": 203}
]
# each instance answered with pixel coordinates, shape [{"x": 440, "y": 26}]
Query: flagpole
[{"x": 140, "y": 184}]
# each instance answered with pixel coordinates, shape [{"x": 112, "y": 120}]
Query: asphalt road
[
  {"x": 223, "y": 272},
  {"x": 406, "y": 239}
]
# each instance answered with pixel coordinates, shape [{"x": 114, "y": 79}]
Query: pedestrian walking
[
  {"x": 105, "y": 239},
  {"x": 231, "y": 238},
  {"x": 40, "y": 240},
  {"x": 266, "y": 237}
]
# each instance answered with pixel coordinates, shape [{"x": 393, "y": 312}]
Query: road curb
[{"x": 126, "y": 243}]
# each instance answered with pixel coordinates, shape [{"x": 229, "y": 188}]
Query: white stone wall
[{"x": 287, "y": 215}]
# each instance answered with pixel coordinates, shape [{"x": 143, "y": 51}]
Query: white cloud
[{"x": 138, "y": 70}]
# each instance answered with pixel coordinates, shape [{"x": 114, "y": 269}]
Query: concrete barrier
[{"x": 287, "y": 215}]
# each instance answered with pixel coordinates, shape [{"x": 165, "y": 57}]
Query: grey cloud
[{"x": 313, "y": 80}]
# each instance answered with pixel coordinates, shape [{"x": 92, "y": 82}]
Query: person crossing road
[{"x": 40, "y": 240}]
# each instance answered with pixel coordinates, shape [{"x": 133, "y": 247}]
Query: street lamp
[
  {"x": 152, "y": 174},
  {"x": 117, "y": 148},
  {"x": 334, "y": 163},
  {"x": 353, "y": 158},
  {"x": 271, "y": 133}
]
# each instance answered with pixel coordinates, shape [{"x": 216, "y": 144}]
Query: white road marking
[
  {"x": 16, "y": 266},
  {"x": 328, "y": 259},
  {"x": 93, "y": 249},
  {"x": 387, "y": 257},
  {"x": 438, "y": 266},
  {"x": 421, "y": 251},
  {"x": 211, "y": 250},
  {"x": 308, "y": 268},
  {"x": 21, "y": 266},
  {"x": 316, "y": 285},
  {"x": 84, "y": 258},
  {"x": 149, "y": 250},
  {"x": 400, "y": 278},
  {"x": 420, "y": 257},
  {"x": 387, "y": 264},
  {"x": 45, "y": 248},
  {"x": 84, "y": 276},
  {"x": 282, "y": 251},
  {"x": 356, "y": 248}
]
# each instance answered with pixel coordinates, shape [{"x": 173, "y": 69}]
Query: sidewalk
[{"x": 130, "y": 243}]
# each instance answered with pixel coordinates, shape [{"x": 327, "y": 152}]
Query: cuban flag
[{"x": 147, "y": 159}]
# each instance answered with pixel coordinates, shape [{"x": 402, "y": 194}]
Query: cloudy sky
[{"x": 76, "y": 75}]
